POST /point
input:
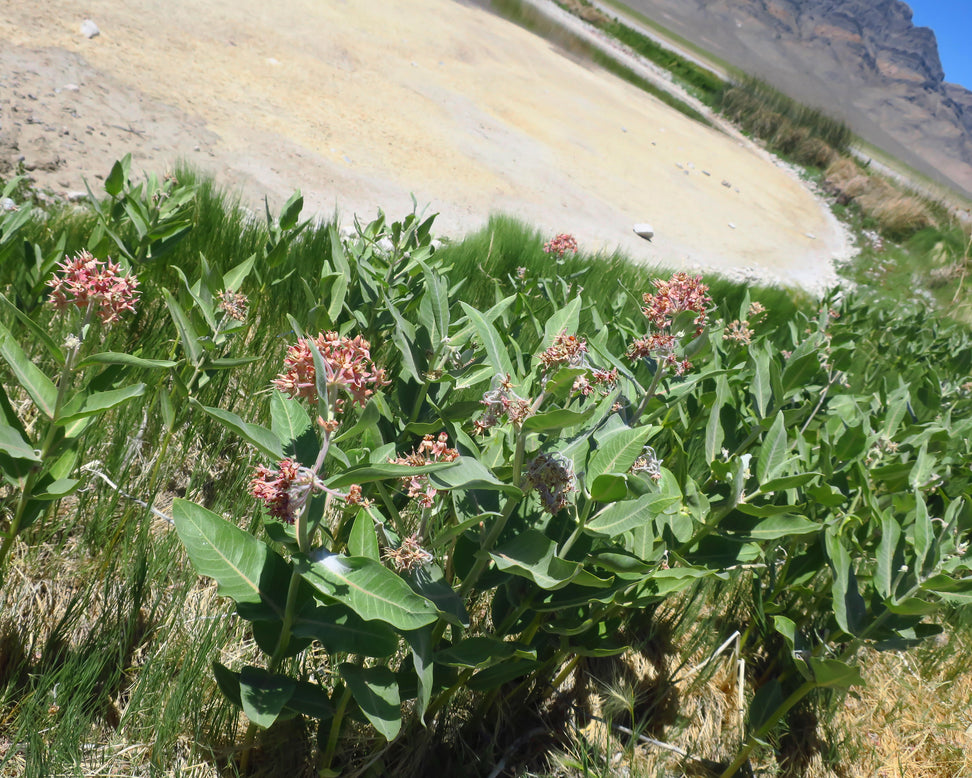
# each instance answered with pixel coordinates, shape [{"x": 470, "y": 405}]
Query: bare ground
[{"x": 361, "y": 105}]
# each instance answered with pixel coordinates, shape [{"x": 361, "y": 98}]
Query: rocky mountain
[{"x": 863, "y": 61}]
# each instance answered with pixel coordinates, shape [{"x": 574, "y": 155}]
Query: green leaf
[
  {"x": 116, "y": 358},
  {"x": 363, "y": 540},
  {"x": 556, "y": 420},
  {"x": 55, "y": 490},
  {"x": 245, "y": 569},
  {"x": 116, "y": 178},
  {"x": 376, "y": 692},
  {"x": 531, "y": 555},
  {"x": 766, "y": 701},
  {"x": 609, "y": 487},
  {"x": 832, "y": 673},
  {"x": 481, "y": 651},
  {"x": 849, "y": 607},
  {"x": 491, "y": 341},
  {"x": 760, "y": 387},
  {"x": 619, "y": 451},
  {"x": 289, "y": 421},
  {"x": 420, "y": 641},
  {"x": 384, "y": 472},
  {"x": 924, "y": 533},
  {"x": 36, "y": 329},
  {"x": 788, "y": 482},
  {"x": 234, "y": 277},
  {"x": 563, "y": 319},
  {"x": 12, "y": 444},
  {"x": 339, "y": 630},
  {"x": 885, "y": 571},
  {"x": 772, "y": 454},
  {"x": 259, "y": 437},
  {"x": 82, "y": 405},
  {"x": 309, "y": 699},
  {"x": 263, "y": 695},
  {"x": 40, "y": 388},
  {"x": 187, "y": 333},
  {"x": 714, "y": 435},
  {"x": 429, "y": 581},
  {"x": 372, "y": 591},
  {"x": 290, "y": 213},
  {"x": 469, "y": 473},
  {"x": 787, "y": 525}
]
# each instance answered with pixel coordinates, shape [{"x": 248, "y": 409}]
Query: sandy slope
[{"x": 361, "y": 102}]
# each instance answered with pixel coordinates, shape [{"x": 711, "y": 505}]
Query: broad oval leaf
[
  {"x": 245, "y": 569},
  {"x": 376, "y": 692},
  {"x": 369, "y": 589}
]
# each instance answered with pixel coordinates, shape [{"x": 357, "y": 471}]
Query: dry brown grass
[
  {"x": 586, "y": 12},
  {"x": 897, "y": 213}
]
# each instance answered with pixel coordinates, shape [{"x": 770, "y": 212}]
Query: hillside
[{"x": 862, "y": 61}]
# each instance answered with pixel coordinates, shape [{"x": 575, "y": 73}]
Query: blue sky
[{"x": 952, "y": 22}]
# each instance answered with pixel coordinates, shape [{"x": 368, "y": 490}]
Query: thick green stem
[
  {"x": 659, "y": 371},
  {"x": 482, "y": 560},
  {"x": 336, "y": 722},
  {"x": 754, "y": 739}
]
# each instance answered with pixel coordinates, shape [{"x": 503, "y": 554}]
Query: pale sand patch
[{"x": 360, "y": 103}]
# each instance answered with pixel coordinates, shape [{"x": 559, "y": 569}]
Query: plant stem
[
  {"x": 659, "y": 371},
  {"x": 336, "y": 722}
]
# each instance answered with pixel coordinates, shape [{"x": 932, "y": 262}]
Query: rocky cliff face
[{"x": 863, "y": 61}]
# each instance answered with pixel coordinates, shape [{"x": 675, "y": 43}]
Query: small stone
[
  {"x": 89, "y": 29},
  {"x": 726, "y": 184},
  {"x": 273, "y": 61},
  {"x": 71, "y": 88},
  {"x": 706, "y": 173},
  {"x": 644, "y": 231},
  {"x": 810, "y": 235},
  {"x": 732, "y": 226}
]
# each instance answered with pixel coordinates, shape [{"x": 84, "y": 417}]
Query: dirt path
[{"x": 361, "y": 104}]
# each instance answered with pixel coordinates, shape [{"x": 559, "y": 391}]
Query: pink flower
[
  {"x": 501, "y": 401},
  {"x": 285, "y": 490},
  {"x": 566, "y": 350},
  {"x": 561, "y": 244},
  {"x": 90, "y": 283},
  {"x": 680, "y": 293},
  {"x": 429, "y": 450},
  {"x": 346, "y": 360}
]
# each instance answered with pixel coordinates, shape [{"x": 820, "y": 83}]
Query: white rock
[
  {"x": 644, "y": 231},
  {"x": 732, "y": 226},
  {"x": 89, "y": 29},
  {"x": 810, "y": 235},
  {"x": 726, "y": 184},
  {"x": 7, "y": 204},
  {"x": 77, "y": 196}
]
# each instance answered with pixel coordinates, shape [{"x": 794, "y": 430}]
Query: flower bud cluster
[
  {"x": 561, "y": 244},
  {"x": 429, "y": 450},
  {"x": 285, "y": 490},
  {"x": 234, "y": 304},
  {"x": 553, "y": 478},
  {"x": 88, "y": 283},
  {"x": 502, "y": 401},
  {"x": 565, "y": 351},
  {"x": 679, "y": 294},
  {"x": 346, "y": 360}
]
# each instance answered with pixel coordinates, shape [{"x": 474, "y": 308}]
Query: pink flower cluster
[
  {"x": 561, "y": 244},
  {"x": 680, "y": 293},
  {"x": 285, "y": 490},
  {"x": 677, "y": 295},
  {"x": 598, "y": 378},
  {"x": 553, "y": 478},
  {"x": 346, "y": 360},
  {"x": 565, "y": 351},
  {"x": 87, "y": 282},
  {"x": 429, "y": 450}
]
